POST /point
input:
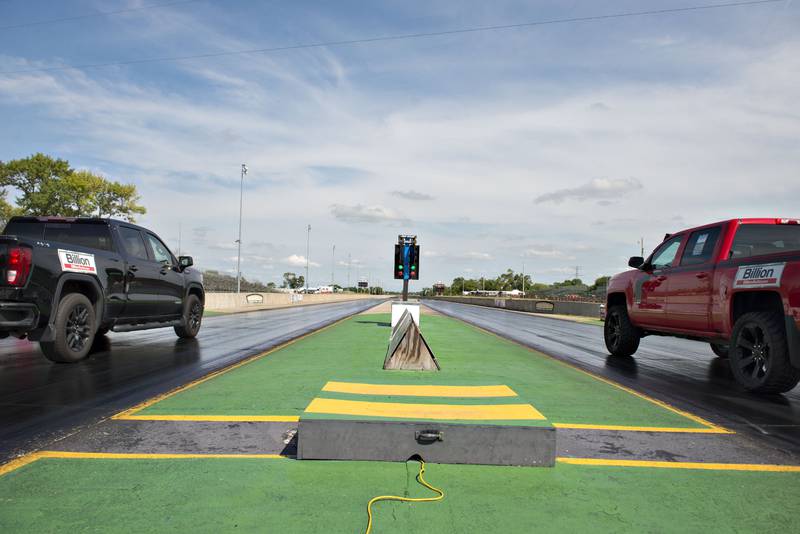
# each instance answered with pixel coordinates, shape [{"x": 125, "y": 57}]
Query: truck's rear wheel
[
  {"x": 760, "y": 354},
  {"x": 721, "y": 351},
  {"x": 622, "y": 337},
  {"x": 74, "y": 330},
  {"x": 192, "y": 318}
]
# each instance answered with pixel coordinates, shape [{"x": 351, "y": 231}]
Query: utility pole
[
  {"x": 641, "y": 246},
  {"x": 577, "y": 272},
  {"x": 179, "y": 239},
  {"x": 523, "y": 280},
  {"x": 333, "y": 264},
  {"x": 348, "y": 271},
  {"x": 308, "y": 249},
  {"x": 239, "y": 241}
]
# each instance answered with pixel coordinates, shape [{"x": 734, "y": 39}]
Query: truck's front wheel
[
  {"x": 759, "y": 354},
  {"x": 192, "y": 318},
  {"x": 622, "y": 337},
  {"x": 74, "y": 330}
]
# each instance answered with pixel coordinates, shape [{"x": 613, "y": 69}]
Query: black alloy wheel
[
  {"x": 759, "y": 354},
  {"x": 77, "y": 328}
]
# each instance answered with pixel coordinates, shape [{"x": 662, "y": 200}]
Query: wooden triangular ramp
[{"x": 408, "y": 349}]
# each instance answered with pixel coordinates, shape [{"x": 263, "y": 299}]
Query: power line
[
  {"x": 93, "y": 15},
  {"x": 397, "y": 37}
]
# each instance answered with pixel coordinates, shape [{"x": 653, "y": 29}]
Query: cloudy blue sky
[{"x": 553, "y": 146}]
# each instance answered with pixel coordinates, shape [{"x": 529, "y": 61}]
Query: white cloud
[
  {"x": 411, "y": 195},
  {"x": 546, "y": 253},
  {"x": 596, "y": 189},
  {"x": 365, "y": 214},
  {"x": 296, "y": 260}
]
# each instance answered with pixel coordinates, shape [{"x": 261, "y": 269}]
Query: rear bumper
[{"x": 18, "y": 316}]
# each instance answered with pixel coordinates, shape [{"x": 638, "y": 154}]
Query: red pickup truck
[{"x": 734, "y": 284}]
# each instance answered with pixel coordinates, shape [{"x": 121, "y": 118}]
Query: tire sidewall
[
  {"x": 191, "y": 300},
  {"x": 735, "y": 354},
  {"x": 63, "y": 352}
]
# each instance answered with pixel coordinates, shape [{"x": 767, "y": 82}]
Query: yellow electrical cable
[{"x": 421, "y": 480}]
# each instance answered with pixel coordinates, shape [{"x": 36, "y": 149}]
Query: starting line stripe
[
  {"x": 34, "y": 456},
  {"x": 229, "y": 418},
  {"x": 680, "y": 465},
  {"x": 425, "y": 411},
  {"x": 597, "y": 462},
  {"x": 581, "y": 426},
  {"x": 419, "y": 390}
]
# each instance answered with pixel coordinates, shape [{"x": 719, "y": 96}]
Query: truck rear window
[
  {"x": 76, "y": 234},
  {"x": 27, "y": 229},
  {"x": 764, "y": 239},
  {"x": 82, "y": 235}
]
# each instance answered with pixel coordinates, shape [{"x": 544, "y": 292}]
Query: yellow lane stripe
[
  {"x": 149, "y": 402},
  {"x": 711, "y": 430},
  {"x": 424, "y": 411},
  {"x": 662, "y": 404},
  {"x": 34, "y": 456},
  {"x": 420, "y": 390},
  {"x": 230, "y": 418},
  {"x": 19, "y": 462},
  {"x": 680, "y": 465}
]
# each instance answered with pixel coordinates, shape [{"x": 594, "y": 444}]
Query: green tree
[
  {"x": 292, "y": 281},
  {"x": 601, "y": 282},
  {"x": 6, "y": 210},
  {"x": 48, "y": 186}
]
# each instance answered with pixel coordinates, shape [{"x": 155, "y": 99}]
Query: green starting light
[
  {"x": 413, "y": 267},
  {"x": 400, "y": 267}
]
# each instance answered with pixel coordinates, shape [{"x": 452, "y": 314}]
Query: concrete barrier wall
[
  {"x": 585, "y": 309},
  {"x": 232, "y": 301}
]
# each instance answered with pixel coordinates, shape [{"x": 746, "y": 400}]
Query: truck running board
[{"x": 145, "y": 326}]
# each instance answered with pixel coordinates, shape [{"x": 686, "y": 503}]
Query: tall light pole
[
  {"x": 348, "y": 271},
  {"x": 523, "y": 280},
  {"x": 333, "y": 265},
  {"x": 308, "y": 248},
  {"x": 239, "y": 241}
]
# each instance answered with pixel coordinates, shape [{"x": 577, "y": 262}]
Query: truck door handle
[
  {"x": 133, "y": 268},
  {"x": 702, "y": 275},
  {"x": 661, "y": 278}
]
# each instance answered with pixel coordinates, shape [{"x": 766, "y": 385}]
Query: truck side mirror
[
  {"x": 636, "y": 262},
  {"x": 185, "y": 261}
]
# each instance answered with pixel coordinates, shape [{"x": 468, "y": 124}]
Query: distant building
[{"x": 438, "y": 288}]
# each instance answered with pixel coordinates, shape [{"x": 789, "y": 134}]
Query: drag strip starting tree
[{"x": 406, "y": 261}]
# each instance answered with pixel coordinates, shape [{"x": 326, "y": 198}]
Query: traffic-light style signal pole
[{"x": 406, "y": 261}]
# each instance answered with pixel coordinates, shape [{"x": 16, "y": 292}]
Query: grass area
[
  {"x": 254, "y": 495},
  {"x": 284, "y": 382},
  {"x": 209, "y": 313}
]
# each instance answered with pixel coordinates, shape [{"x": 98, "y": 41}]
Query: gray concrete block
[{"x": 397, "y": 441}]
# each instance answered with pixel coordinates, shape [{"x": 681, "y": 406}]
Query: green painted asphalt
[
  {"x": 284, "y": 382},
  {"x": 288, "y": 496}
]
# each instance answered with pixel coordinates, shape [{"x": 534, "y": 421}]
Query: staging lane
[
  {"x": 681, "y": 372},
  {"x": 40, "y": 401}
]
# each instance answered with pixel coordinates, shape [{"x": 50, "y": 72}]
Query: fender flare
[
  {"x": 48, "y": 334},
  {"x": 196, "y": 285}
]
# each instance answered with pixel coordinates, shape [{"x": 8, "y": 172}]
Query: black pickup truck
[{"x": 66, "y": 280}]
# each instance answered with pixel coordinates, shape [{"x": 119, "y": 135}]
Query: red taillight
[
  {"x": 787, "y": 221},
  {"x": 19, "y": 266}
]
